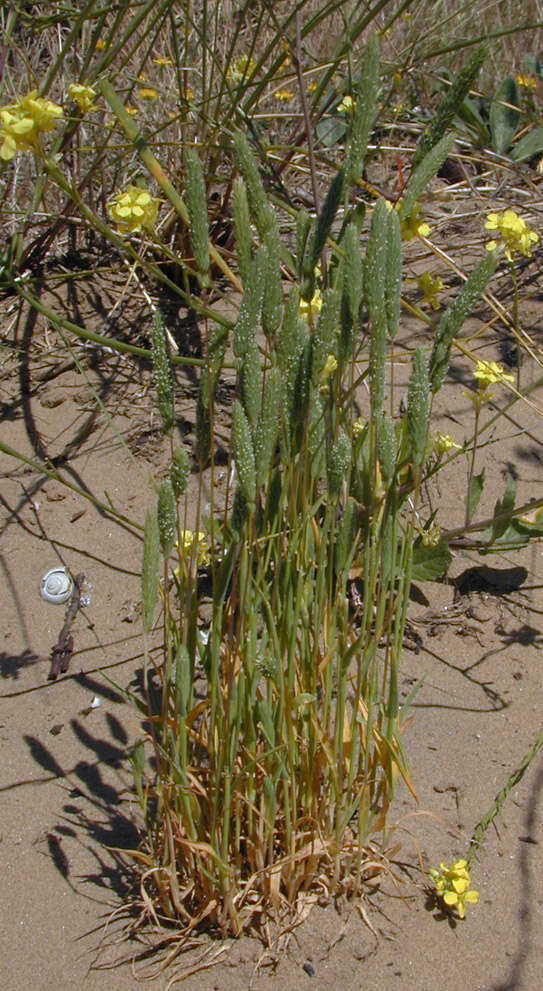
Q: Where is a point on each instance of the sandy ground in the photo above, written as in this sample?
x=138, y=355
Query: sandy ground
x=65, y=777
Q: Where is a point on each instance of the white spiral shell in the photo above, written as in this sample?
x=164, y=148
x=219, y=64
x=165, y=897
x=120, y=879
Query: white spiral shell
x=56, y=586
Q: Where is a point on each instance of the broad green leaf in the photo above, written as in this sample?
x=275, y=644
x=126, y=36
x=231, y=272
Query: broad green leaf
x=430, y=562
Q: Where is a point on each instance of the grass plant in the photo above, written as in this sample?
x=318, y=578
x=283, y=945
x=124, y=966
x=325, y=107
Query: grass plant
x=287, y=599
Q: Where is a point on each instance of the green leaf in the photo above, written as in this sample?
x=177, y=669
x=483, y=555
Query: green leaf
x=430, y=562
x=504, y=115
x=149, y=570
x=503, y=509
x=474, y=494
x=529, y=146
x=331, y=131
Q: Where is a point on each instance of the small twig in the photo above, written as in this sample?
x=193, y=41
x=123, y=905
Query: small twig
x=64, y=647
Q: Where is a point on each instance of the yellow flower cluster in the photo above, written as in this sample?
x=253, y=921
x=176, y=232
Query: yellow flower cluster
x=313, y=306
x=527, y=82
x=147, y=93
x=513, y=233
x=203, y=549
x=346, y=106
x=489, y=373
x=241, y=68
x=22, y=124
x=283, y=95
x=452, y=885
x=84, y=96
x=430, y=287
x=413, y=225
x=444, y=443
x=133, y=210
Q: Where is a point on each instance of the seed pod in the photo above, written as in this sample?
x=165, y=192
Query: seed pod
x=393, y=273
x=179, y=472
x=450, y=105
x=417, y=407
x=239, y=513
x=365, y=111
x=426, y=170
x=353, y=273
x=251, y=385
x=202, y=441
x=242, y=228
x=266, y=432
x=166, y=517
x=195, y=191
x=251, y=305
x=374, y=285
x=258, y=202
x=453, y=318
x=303, y=227
x=316, y=431
x=386, y=447
x=273, y=299
x=149, y=569
x=339, y=462
x=324, y=222
x=212, y=370
x=163, y=373
x=244, y=457
x=289, y=335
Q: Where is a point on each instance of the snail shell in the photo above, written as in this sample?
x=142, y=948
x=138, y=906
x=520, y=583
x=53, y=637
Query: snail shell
x=56, y=586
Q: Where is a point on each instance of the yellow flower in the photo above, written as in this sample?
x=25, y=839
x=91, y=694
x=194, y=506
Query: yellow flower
x=346, y=106
x=84, y=96
x=133, y=210
x=162, y=62
x=489, y=373
x=147, y=93
x=358, y=427
x=513, y=233
x=241, y=68
x=311, y=307
x=431, y=536
x=312, y=87
x=527, y=82
x=131, y=111
x=444, y=443
x=100, y=45
x=413, y=225
x=283, y=95
x=452, y=885
x=22, y=123
x=430, y=287
x=330, y=366
x=203, y=549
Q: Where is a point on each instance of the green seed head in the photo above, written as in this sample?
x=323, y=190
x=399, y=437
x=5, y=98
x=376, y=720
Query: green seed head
x=196, y=195
x=166, y=517
x=244, y=458
x=242, y=228
x=418, y=407
x=179, y=472
x=163, y=374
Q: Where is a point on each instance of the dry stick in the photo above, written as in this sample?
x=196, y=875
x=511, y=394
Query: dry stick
x=64, y=647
